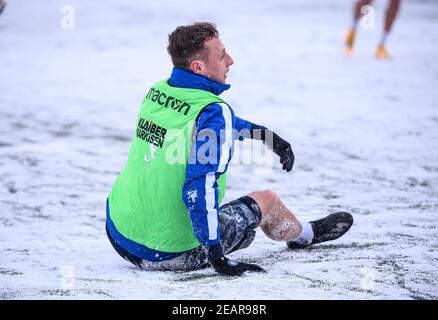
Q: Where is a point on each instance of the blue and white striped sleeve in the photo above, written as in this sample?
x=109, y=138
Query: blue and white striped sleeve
x=209, y=157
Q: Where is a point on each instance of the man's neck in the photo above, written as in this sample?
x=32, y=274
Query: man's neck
x=183, y=78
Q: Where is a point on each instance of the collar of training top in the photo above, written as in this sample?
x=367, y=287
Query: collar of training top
x=183, y=78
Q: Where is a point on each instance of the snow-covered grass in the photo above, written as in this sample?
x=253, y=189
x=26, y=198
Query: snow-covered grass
x=364, y=133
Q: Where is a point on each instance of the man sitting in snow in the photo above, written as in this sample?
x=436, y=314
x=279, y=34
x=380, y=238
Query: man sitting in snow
x=163, y=210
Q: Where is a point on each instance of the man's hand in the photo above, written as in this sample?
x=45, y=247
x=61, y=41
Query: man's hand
x=228, y=267
x=283, y=149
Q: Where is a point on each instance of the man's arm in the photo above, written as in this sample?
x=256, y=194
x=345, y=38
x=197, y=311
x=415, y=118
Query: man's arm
x=209, y=158
x=243, y=128
x=282, y=148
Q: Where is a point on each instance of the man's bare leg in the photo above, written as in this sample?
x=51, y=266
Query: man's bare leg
x=2, y=5
x=390, y=15
x=278, y=222
x=357, y=9
x=351, y=33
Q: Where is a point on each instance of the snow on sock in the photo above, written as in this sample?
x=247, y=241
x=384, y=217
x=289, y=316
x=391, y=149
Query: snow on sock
x=306, y=235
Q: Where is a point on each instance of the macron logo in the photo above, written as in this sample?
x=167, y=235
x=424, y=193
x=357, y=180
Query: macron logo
x=168, y=101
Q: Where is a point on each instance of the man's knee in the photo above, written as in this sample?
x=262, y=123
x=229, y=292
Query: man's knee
x=267, y=195
x=265, y=199
x=270, y=194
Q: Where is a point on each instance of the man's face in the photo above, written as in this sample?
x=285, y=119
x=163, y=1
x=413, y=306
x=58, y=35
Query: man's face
x=218, y=63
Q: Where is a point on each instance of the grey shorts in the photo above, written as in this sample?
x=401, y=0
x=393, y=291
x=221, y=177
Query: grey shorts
x=237, y=222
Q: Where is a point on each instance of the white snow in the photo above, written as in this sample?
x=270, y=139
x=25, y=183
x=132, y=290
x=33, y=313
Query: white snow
x=364, y=133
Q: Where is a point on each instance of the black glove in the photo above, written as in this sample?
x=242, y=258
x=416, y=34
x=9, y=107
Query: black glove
x=228, y=267
x=273, y=141
x=225, y=266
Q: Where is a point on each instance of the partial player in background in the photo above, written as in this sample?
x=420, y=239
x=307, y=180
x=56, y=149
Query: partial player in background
x=390, y=15
x=2, y=5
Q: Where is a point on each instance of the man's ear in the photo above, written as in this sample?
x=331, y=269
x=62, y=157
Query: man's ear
x=197, y=66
